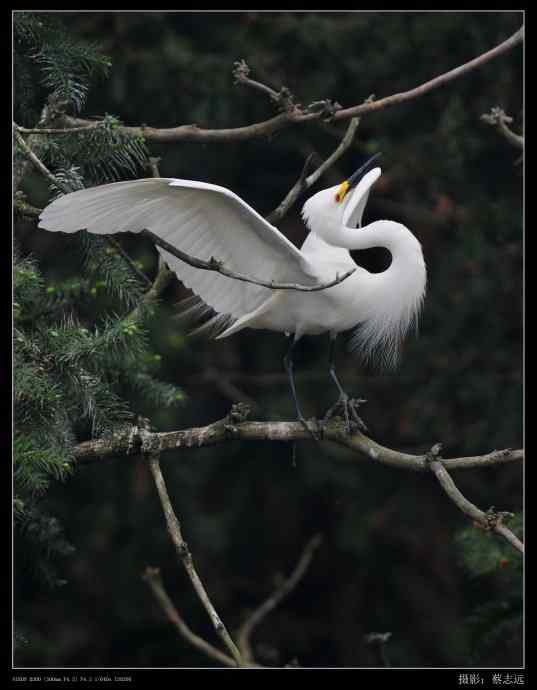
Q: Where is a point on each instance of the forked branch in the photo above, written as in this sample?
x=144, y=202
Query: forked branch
x=297, y=115
x=235, y=427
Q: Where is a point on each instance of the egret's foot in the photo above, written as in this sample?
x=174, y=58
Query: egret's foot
x=349, y=408
x=354, y=404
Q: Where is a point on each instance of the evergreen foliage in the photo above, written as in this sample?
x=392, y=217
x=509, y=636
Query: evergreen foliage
x=69, y=381
x=79, y=346
x=47, y=59
x=52, y=68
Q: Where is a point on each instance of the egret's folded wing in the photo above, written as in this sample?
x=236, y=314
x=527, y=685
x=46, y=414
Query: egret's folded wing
x=201, y=219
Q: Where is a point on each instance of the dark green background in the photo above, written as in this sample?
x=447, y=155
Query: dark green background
x=389, y=561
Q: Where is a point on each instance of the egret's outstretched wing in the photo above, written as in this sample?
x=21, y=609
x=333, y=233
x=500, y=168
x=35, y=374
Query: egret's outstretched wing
x=201, y=219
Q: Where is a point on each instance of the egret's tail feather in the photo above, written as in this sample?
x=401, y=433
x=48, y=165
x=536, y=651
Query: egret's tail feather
x=201, y=319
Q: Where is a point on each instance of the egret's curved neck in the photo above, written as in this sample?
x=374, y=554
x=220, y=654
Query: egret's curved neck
x=393, y=236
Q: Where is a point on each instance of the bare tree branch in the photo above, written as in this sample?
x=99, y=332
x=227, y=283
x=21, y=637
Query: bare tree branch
x=305, y=182
x=49, y=114
x=185, y=556
x=235, y=428
x=442, y=79
x=489, y=520
x=37, y=163
x=283, y=98
x=244, y=633
x=218, y=267
x=298, y=115
x=64, y=130
x=499, y=119
x=153, y=578
x=193, y=133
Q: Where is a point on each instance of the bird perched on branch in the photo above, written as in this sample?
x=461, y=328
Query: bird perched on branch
x=210, y=222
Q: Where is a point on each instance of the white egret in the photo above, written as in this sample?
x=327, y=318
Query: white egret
x=205, y=221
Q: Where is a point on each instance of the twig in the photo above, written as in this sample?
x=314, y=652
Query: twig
x=161, y=282
x=38, y=164
x=215, y=265
x=299, y=116
x=490, y=520
x=117, y=246
x=499, y=119
x=283, y=98
x=185, y=556
x=48, y=114
x=53, y=131
x=153, y=166
x=153, y=578
x=254, y=619
x=303, y=183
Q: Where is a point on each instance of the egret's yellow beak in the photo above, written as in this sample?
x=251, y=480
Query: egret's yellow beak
x=342, y=191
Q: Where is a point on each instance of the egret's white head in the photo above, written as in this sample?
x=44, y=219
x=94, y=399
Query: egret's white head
x=342, y=205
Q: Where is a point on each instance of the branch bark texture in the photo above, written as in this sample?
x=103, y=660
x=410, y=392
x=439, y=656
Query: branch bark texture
x=297, y=115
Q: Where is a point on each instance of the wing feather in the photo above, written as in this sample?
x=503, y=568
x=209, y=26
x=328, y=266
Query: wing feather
x=201, y=219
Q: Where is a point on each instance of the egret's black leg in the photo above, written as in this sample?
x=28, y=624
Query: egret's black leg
x=288, y=364
x=344, y=400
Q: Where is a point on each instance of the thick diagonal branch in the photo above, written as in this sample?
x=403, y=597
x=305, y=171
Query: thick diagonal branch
x=185, y=557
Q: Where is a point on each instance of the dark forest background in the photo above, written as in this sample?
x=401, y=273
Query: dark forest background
x=396, y=555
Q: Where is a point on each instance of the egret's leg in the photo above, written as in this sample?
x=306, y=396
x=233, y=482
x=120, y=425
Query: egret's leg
x=344, y=400
x=289, y=366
